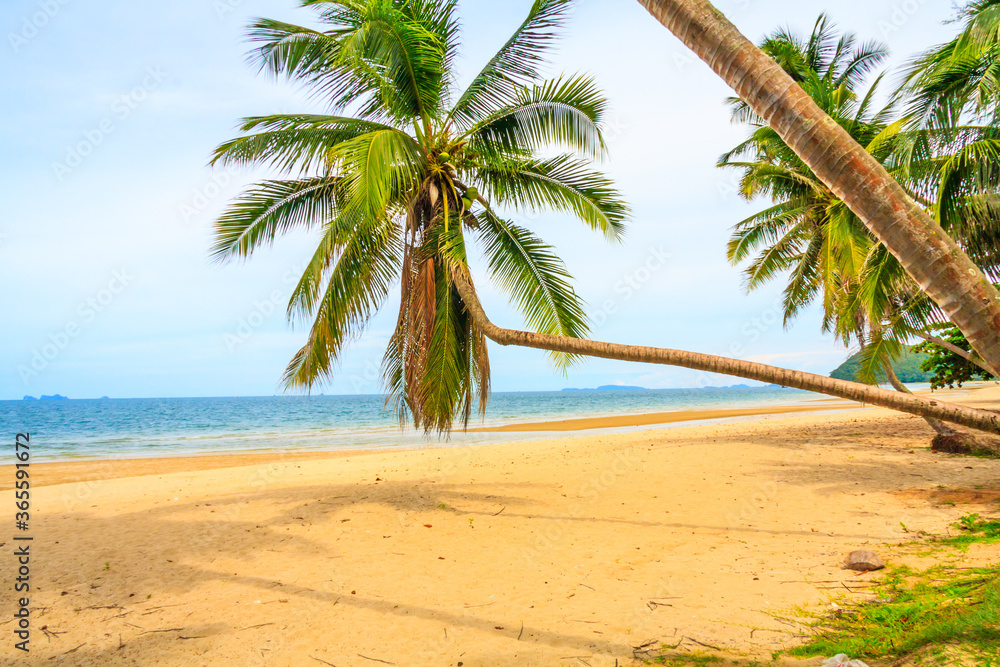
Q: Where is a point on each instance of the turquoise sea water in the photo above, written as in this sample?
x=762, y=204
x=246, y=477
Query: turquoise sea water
x=119, y=428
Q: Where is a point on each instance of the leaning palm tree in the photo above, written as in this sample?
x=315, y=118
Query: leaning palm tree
x=810, y=235
x=402, y=171
x=932, y=258
x=394, y=189
x=807, y=234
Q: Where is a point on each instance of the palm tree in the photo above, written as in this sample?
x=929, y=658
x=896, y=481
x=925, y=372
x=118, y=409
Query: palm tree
x=394, y=189
x=952, y=149
x=960, y=79
x=807, y=232
x=931, y=257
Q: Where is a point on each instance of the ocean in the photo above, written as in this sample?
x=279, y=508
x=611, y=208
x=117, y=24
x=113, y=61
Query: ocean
x=151, y=427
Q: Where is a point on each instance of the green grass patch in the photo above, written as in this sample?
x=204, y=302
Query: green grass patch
x=940, y=616
x=975, y=529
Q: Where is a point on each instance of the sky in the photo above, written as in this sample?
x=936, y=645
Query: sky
x=110, y=111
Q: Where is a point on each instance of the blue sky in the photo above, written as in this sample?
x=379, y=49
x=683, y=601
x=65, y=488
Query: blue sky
x=111, y=110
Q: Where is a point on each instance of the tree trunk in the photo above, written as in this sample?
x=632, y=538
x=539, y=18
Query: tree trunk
x=943, y=271
x=939, y=426
x=982, y=420
x=947, y=439
x=951, y=347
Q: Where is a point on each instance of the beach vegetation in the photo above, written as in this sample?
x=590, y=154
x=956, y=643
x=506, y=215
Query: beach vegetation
x=907, y=367
x=946, y=366
x=935, y=614
x=809, y=237
x=945, y=615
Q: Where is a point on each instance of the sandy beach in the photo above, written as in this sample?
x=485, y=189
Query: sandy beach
x=576, y=551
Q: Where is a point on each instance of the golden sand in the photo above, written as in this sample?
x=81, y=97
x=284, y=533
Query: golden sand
x=561, y=552
x=654, y=418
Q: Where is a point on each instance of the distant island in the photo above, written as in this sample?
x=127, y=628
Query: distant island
x=54, y=397
x=610, y=387
x=907, y=367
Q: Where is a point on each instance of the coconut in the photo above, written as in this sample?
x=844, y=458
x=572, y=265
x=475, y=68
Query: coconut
x=471, y=194
x=444, y=157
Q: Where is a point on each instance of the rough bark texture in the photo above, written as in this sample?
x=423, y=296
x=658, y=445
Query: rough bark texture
x=939, y=426
x=943, y=271
x=982, y=420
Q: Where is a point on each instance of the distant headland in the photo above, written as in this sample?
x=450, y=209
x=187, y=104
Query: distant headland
x=54, y=397
x=609, y=387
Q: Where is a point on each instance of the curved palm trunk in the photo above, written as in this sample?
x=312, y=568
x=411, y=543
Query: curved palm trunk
x=978, y=419
x=939, y=426
x=951, y=347
x=953, y=441
x=943, y=271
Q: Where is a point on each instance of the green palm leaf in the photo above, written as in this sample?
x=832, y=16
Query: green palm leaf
x=380, y=169
x=292, y=142
x=272, y=208
x=565, y=112
x=515, y=65
x=357, y=286
x=765, y=227
x=388, y=181
x=534, y=277
x=562, y=183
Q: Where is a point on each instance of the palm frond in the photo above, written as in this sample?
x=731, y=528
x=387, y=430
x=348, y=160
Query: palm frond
x=388, y=59
x=564, y=113
x=806, y=278
x=271, y=208
x=356, y=288
x=534, y=277
x=380, y=169
x=562, y=183
x=292, y=142
x=515, y=65
x=765, y=228
x=776, y=258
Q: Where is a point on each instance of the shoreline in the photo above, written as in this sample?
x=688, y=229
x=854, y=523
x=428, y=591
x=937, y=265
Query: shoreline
x=67, y=471
x=657, y=418
x=96, y=470
x=499, y=556
x=329, y=443
x=89, y=470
